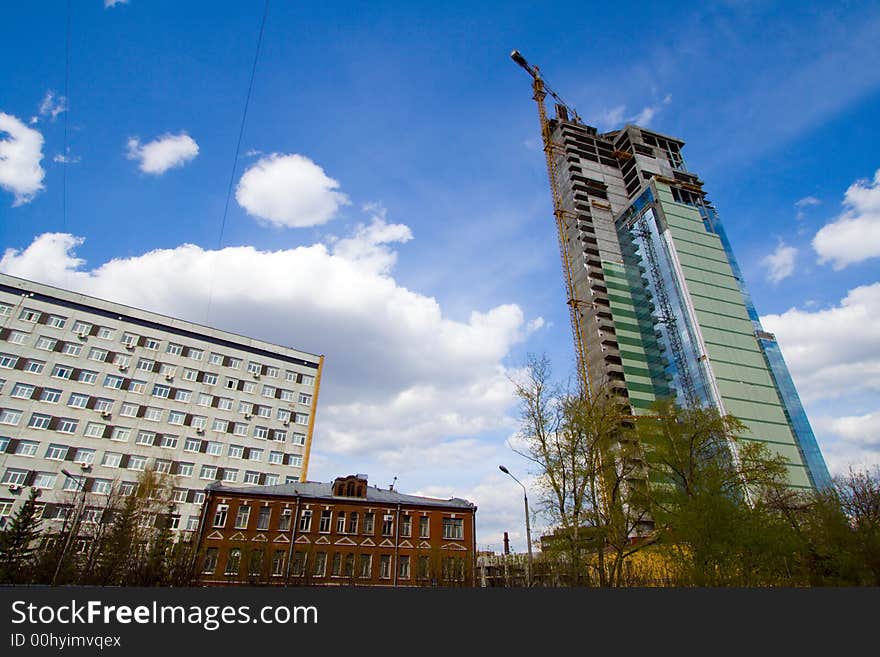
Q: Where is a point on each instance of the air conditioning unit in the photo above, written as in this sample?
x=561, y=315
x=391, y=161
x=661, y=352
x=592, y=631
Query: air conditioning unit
x=82, y=335
x=86, y=467
x=286, y=423
x=256, y=375
x=122, y=367
x=129, y=345
x=169, y=377
x=200, y=430
x=14, y=487
x=105, y=413
x=247, y=416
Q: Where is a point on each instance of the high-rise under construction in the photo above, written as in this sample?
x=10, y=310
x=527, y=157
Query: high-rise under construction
x=658, y=304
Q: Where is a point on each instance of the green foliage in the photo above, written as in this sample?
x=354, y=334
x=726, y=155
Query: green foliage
x=17, y=542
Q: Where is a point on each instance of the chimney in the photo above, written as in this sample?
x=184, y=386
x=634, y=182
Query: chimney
x=506, y=544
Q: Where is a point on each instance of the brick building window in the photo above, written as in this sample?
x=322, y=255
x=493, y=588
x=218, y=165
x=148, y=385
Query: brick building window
x=210, y=563
x=233, y=561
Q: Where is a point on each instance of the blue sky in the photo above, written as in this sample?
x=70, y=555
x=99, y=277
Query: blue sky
x=391, y=187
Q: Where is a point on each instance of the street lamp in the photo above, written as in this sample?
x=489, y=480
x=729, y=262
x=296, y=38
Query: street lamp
x=528, y=526
x=73, y=525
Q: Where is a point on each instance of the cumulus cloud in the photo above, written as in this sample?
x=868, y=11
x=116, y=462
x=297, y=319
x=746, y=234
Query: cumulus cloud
x=400, y=378
x=833, y=351
x=20, y=156
x=165, y=152
x=851, y=441
x=289, y=191
x=854, y=235
x=780, y=263
x=113, y=3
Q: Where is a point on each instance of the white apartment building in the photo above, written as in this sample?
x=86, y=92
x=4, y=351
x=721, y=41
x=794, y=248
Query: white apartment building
x=104, y=391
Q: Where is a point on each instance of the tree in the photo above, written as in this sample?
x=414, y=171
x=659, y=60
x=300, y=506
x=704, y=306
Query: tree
x=589, y=474
x=714, y=500
x=17, y=542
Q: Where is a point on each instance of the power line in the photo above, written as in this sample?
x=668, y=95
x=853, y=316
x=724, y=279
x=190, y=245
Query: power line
x=238, y=146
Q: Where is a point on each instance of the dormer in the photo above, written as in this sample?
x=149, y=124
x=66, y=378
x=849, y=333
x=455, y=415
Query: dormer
x=351, y=486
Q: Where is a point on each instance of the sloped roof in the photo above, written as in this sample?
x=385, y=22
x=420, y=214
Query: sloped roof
x=322, y=490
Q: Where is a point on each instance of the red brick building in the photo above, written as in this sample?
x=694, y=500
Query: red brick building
x=344, y=533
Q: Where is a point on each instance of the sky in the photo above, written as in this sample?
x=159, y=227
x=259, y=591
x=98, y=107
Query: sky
x=388, y=206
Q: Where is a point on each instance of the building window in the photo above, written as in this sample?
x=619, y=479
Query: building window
x=14, y=477
x=214, y=448
x=22, y=391
x=276, y=458
x=88, y=377
x=305, y=521
x=67, y=425
x=353, y=522
x=284, y=521
x=39, y=421
x=340, y=522
x=220, y=515
x=137, y=462
x=209, y=379
x=105, y=333
x=77, y=400
x=271, y=479
x=102, y=404
x=230, y=475
x=153, y=413
x=50, y=395
x=319, y=566
x=198, y=497
x=102, y=486
x=388, y=525
x=8, y=361
x=264, y=411
x=128, y=488
x=113, y=382
x=369, y=520
x=209, y=565
x=162, y=466
x=251, y=477
x=10, y=416
x=255, y=454
x=72, y=349
x=249, y=387
x=192, y=523
x=298, y=439
x=208, y=472
x=406, y=525
x=174, y=349
x=27, y=448
x=128, y=410
x=384, y=566
x=365, y=566
x=185, y=469
x=137, y=387
x=62, y=371
x=73, y=484
x=120, y=434
x=190, y=375
x=403, y=566
x=45, y=480
x=424, y=568
x=304, y=398
x=111, y=459
x=56, y=452
x=96, y=354
x=84, y=456
x=161, y=391
x=145, y=438
x=424, y=527
x=152, y=344
x=279, y=435
x=263, y=517
x=326, y=519
x=95, y=430
x=278, y=563
x=336, y=565
x=56, y=321
x=233, y=561
x=242, y=516
x=307, y=380
x=28, y=315
x=195, y=354
x=17, y=337
x=261, y=432
x=176, y=417
x=453, y=528
x=46, y=343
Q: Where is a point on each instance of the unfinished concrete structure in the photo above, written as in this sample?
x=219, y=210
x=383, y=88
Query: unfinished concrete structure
x=658, y=303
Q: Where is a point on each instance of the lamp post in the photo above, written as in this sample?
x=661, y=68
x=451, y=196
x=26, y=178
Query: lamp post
x=74, y=525
x=528, y=526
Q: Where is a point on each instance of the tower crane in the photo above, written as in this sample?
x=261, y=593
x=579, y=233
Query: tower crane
x=541, y=91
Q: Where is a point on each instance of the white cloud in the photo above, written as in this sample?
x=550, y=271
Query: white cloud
x=52, y=106
x=166, y=152
x=402, y=380
x=66, y=159
x=851, y=441
x=854, y=235
x=113, y=3
x=289, y=190
x=834, y=351
x=20, y=155
x=803, y=203
x=780, y=263
x=617, y=117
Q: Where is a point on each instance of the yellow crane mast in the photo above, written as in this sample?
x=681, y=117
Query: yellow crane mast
x=541, y=90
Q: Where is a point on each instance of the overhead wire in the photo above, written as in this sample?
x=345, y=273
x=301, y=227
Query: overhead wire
x=238, y=149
